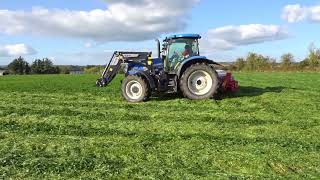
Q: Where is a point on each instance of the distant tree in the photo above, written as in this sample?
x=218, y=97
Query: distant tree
x=64, y=69
x=273, y=63
x=313, y=58
x=92, y=70
x=256, y=62
x=303, y=64
x=57, y=70
x=27, y=69
x=240, y=64
x=44, y=66
x=19, y=66
x=48, y=66
x=267, y=63
x=287, y=60
x=251, y=61
x=37, y=67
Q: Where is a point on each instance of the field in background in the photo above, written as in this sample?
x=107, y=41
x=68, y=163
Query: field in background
x=62, y=126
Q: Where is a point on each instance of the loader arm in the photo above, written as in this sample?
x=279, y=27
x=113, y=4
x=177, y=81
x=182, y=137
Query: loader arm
x=111, y=70
x=114, y=65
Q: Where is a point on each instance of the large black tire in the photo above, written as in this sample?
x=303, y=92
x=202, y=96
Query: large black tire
x=199, y=81
x=135, y=89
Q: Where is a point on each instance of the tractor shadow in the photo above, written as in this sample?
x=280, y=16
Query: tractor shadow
x=250, y=91
x=244, y=91
x=166, y=97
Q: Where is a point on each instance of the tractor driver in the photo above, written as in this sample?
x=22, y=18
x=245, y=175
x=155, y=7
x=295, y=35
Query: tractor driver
x=177, y=56
x=187, y=51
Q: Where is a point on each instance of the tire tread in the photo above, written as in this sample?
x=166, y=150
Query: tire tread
x=184, y=81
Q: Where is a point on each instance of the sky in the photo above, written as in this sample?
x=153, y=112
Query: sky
x=87, y=32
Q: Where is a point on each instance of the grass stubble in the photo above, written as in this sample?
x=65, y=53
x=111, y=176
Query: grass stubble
x=61, y=126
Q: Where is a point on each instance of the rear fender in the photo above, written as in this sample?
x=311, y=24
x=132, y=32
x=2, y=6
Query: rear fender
x=193, y=60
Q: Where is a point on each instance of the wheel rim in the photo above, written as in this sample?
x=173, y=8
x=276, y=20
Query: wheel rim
x=134, y=90
x=200, y=83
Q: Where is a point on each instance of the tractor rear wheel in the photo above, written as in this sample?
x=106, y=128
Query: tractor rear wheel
x=199, y=81
x=135, y=89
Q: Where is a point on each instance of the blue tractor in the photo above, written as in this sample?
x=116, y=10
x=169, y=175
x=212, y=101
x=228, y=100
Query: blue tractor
x=178, y=68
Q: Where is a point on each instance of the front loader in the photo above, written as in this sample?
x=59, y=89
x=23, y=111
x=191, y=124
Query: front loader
x=178, y=68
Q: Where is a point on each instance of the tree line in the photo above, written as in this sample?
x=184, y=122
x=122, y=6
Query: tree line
x=252, y=62
x=258, y=62
x=39, y=66
x=20, y=66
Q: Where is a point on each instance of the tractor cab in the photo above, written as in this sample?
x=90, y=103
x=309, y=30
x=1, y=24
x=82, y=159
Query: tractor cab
x=178, y=48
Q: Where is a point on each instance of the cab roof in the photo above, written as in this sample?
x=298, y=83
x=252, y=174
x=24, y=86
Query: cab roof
x=176, y=36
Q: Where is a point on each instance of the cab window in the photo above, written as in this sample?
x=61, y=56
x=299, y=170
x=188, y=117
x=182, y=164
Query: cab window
x=181, y=49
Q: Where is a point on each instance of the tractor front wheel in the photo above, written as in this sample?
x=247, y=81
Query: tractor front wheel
x=135, y=89
x=198, y=82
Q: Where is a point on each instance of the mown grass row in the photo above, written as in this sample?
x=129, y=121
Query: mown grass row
x=64, y=127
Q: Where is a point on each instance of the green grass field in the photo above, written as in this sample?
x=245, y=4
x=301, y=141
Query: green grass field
x=61, y=126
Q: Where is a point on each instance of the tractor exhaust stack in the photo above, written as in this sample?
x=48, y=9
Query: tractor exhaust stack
x=158, y=48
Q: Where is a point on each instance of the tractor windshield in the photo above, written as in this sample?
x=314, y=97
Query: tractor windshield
x=181, y=49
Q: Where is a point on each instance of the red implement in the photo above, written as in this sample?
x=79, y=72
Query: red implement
x=229, y=84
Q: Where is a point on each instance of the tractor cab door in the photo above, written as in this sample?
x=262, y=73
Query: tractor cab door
x=179, y=50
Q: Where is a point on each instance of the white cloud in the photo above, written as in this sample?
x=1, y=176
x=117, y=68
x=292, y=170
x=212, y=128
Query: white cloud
x=295, y=12
x=315, y=13
x=230, y=37
x=124, y=20
x=13, y=50
x=88, y=45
